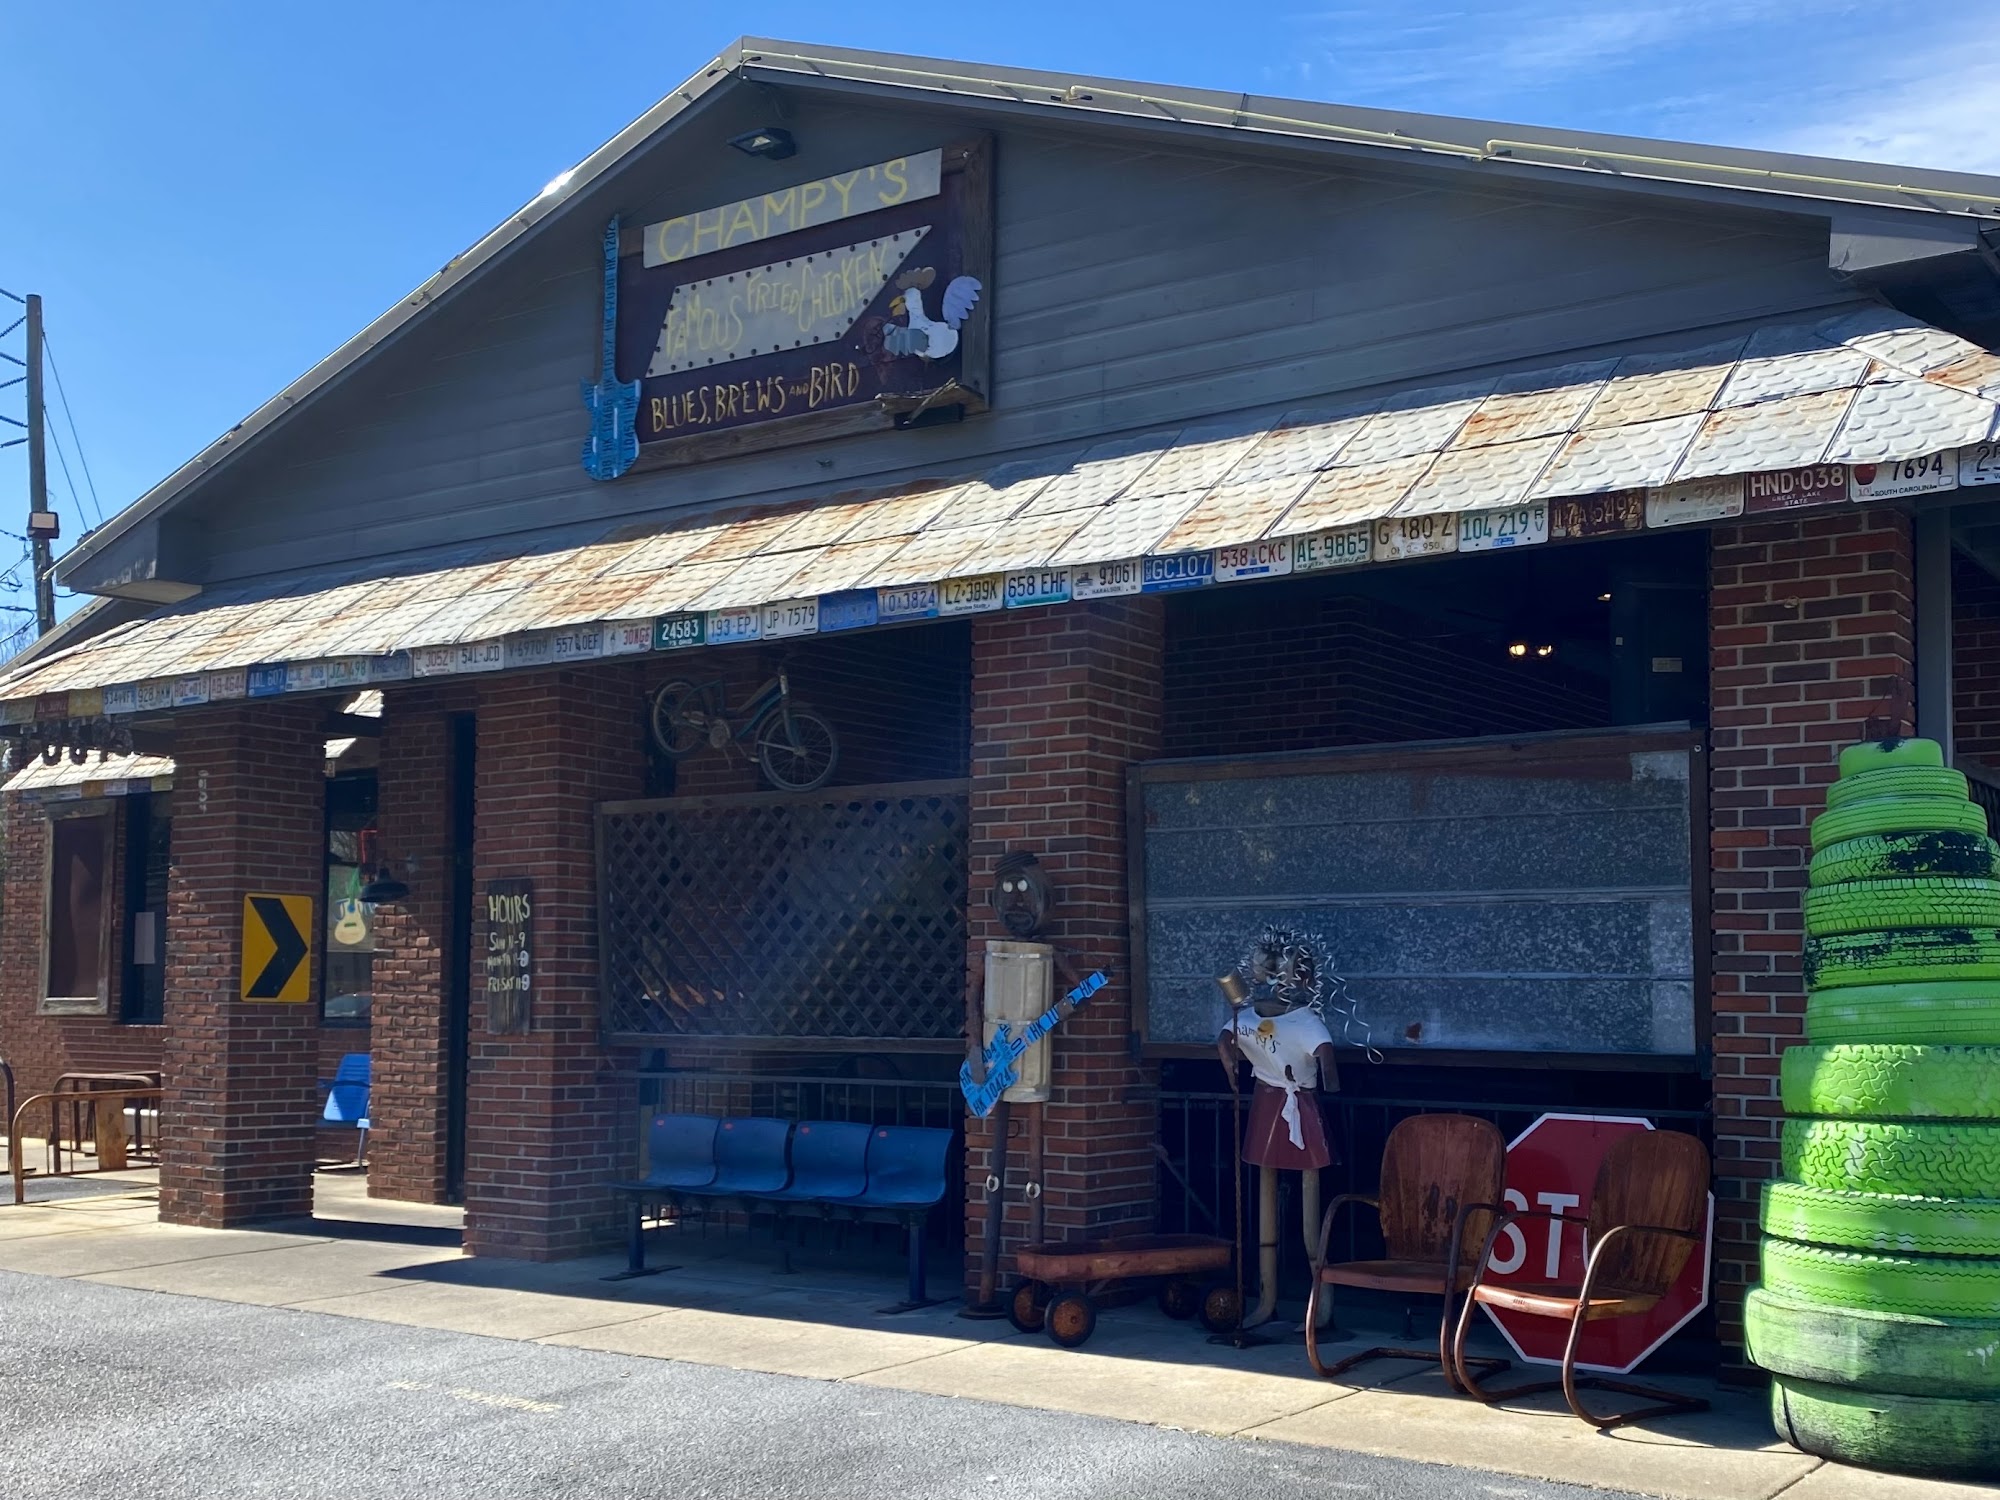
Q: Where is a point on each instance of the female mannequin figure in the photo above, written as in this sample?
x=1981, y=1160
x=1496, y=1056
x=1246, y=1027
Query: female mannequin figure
x=1279, y=1030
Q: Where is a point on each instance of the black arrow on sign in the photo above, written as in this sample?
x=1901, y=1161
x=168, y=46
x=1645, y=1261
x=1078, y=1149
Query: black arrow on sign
x=289, y=946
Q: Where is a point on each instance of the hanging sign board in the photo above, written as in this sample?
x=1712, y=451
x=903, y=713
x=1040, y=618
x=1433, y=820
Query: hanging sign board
x=831, y=305
x=510, y=911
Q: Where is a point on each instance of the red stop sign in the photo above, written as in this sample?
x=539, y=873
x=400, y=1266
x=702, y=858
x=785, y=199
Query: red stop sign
x=1553, y=1165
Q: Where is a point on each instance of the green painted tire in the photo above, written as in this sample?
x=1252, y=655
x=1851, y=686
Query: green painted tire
x=1896, y=815
x=1902, y=1353
x=1961, y=1013
x=1881, y=1222
x=1897, y=781
x=1870, y=1156
x=1877, y=755
x=1942, y=1286
x=1924, y=1435
x=1945, y=953
x=1904, y=856
x=1899, y=905
x=1891, y=1082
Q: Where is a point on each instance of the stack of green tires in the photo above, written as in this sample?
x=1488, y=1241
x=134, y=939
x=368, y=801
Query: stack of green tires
x=1879, y=1311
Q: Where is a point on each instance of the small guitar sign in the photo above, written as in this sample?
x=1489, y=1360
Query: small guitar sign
x=1003, y=1053
x=613, y=404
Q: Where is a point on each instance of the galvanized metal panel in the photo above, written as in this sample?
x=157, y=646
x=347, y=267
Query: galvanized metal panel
x=1800, y=374
x=1125, y=528
x=1340, y=497
x=1598, y=460
x=1783, y=434
x=1301, y=442
x=1906, y=418
x=1239, y=510
x=1535, y=403
x=1480, y=478
x=1416, y=422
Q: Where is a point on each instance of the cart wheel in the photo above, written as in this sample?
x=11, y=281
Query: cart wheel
x=1220, y=1311
x=1027, y=1306
x=1071, y=1319
x=1180, y=1298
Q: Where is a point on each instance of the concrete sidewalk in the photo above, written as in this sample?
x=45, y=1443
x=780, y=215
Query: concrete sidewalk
x=725, y=1305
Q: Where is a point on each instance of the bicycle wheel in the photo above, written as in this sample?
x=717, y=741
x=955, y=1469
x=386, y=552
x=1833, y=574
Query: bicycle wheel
x=797, y=749
x=680, y=727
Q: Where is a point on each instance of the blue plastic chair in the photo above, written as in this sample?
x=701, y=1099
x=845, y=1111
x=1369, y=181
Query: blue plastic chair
x=680, y=1151
x=347, y=1100
x=749, y=1158
x=905, y=1180
x=829, y=1160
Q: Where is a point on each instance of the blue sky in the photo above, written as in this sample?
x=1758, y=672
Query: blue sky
x=211, y=195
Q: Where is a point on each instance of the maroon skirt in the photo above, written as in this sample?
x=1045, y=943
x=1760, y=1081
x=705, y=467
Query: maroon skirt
x=1267, y=1142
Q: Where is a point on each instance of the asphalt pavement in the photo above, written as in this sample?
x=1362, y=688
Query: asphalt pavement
x=106, y=1390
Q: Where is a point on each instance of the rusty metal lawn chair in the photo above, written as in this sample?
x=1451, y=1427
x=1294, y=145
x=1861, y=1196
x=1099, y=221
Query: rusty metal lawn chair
x=1442, y=1177
x=1648, y=1210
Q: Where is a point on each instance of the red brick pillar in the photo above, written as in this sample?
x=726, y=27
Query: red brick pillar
x=241, y=1076
x=546, y=1126
x=1063, y=701
x=1811, y=635
x=409, y=1039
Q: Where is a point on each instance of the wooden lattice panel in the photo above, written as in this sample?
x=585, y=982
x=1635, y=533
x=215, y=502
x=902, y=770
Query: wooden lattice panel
x=838, y=916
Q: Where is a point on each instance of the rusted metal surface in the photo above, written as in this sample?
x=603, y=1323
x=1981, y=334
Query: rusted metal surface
x=1869, y=387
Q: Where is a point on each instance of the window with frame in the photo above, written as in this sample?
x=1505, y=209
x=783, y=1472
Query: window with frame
x=76, y=975
x=349, y=937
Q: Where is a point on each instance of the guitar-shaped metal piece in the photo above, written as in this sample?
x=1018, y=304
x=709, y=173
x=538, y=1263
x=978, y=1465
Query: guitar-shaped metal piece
x=613, y=444
x=1003, y=1053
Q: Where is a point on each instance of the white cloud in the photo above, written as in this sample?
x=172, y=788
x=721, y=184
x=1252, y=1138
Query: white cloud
x=1938, y=112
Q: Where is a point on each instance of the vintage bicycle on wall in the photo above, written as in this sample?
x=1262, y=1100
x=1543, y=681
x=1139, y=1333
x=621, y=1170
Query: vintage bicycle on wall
x=793, y=745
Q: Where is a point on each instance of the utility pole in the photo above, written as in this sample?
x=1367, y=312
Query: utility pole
x=41, y=520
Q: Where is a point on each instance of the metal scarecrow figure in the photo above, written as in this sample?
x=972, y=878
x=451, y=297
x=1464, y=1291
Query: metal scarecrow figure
x=1276, y=995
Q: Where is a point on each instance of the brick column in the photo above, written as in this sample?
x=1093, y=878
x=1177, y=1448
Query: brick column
x=1811, y=630
x=241, y=1076
x=545, y=1128
x=1063, y=701
x=409, y=1038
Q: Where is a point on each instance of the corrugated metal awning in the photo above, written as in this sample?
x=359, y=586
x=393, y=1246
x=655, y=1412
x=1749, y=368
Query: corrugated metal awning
x=1866, y=405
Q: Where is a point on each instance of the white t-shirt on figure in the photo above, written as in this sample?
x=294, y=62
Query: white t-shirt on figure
x=1277, y=1043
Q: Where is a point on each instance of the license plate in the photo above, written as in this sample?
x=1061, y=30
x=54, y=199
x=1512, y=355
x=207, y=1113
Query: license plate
x=1597, y=515
x=1037, y=586
x=1694, y=500
x=264, y=682
x=850, y=609
x=1794, y=489
x=529, y=651
x=680, y=632
x=1184, y=570
x=972, y=596
x=1105, y=580
x=790, y=617
x=916, y=602
x=1905, y=476
x=728, y=625
x=1979, y=463
x=1415, y=536
x=627, y=637
x=1342, y=547
x=490, y=656
x=1253, y=560
x=1516, y=526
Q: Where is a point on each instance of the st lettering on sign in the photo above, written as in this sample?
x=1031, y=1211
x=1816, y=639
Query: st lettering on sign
x=510, y=954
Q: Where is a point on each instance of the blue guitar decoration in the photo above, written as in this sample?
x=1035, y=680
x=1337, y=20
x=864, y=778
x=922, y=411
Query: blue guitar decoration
x=613, y=444
x=1003, y=1053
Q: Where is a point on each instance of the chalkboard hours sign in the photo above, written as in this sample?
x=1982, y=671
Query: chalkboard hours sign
x=510, y=910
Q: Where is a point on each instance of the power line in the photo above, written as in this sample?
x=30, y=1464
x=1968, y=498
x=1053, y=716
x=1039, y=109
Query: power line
x=75, y=504
x=75, y=441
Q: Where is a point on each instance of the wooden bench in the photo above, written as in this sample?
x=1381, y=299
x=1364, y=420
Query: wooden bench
x=817, y=1168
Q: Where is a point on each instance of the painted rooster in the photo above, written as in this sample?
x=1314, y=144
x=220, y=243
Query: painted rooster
x=922, y=335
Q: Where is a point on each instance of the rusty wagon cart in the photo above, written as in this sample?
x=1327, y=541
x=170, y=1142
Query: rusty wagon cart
x=1063, y=1279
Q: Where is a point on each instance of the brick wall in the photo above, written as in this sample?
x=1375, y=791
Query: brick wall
x=408, y=1097
x=1063, y=700
x=1302, y=666
x=241, y=1101
x=41, y=1048
x=1975, y=665
x=547, y=1127
x=1811, y=630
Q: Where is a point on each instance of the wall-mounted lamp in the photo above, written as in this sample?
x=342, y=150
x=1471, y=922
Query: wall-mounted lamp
x=384, y=889
x=1517, y=648
x=1545, y=651
x=767, y=141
